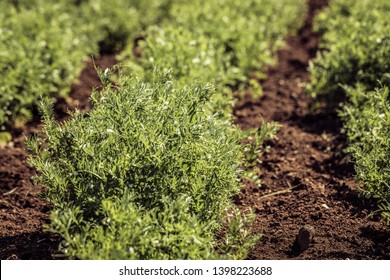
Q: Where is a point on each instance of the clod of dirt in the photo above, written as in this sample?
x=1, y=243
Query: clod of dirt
x=305, y=237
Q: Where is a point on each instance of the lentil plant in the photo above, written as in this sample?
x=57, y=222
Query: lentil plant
x=354, y=69
x=143, y=148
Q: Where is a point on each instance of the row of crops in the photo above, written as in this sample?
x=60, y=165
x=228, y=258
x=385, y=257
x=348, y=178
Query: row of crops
x=354, y=69
x=43, y=45
x=149, y=173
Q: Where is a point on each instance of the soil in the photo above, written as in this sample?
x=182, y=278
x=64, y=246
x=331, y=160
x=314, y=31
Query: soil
x=23, y=214
x=307, y=180
x=308, y=186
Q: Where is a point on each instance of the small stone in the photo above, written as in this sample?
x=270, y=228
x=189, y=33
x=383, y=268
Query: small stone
x=305, y=237
x=325, y=206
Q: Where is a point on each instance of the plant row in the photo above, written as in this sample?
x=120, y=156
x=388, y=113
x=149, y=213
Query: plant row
x=150, y=172
x=43, y=45
x=354, y=68
x=223, y=42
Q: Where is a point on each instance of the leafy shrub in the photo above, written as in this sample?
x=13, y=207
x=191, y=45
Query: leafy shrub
x=363, y=53
x=41, y=52
x=216, y=41
x=190, y=58
x=43, y=45
x=149, y=172
x=238, y=240
x=367, y=119
x=354, y=62
x=115, y=24
x=130, y=232
x=200, y=41
x=153, y=141
x=249, y=31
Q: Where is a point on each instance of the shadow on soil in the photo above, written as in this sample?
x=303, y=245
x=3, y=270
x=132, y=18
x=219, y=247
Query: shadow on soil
x=30, y=246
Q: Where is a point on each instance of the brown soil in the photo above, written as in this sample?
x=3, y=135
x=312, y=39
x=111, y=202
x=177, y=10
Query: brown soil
x=306, y=178
x=23, y=214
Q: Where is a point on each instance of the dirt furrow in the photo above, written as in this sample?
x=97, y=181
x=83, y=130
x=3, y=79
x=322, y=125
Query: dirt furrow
x=306, y=178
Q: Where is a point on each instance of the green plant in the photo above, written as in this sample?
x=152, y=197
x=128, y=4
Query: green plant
x=221, y=42
x=354, y=69
x=5, y=138
x=153, y=140
x=367, y=121
x=150, y=171
x=43, y=45
x=115, y=24
x=238, y=237
x=41, y=52
x=202, y=42
x=254, y=142
x=189, y=57
x=126, y=231
x=249, y=31
x=356, y=47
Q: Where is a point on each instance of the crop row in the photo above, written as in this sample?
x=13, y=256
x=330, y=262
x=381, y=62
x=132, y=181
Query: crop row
x=43, y=45
x=356, y=71
x=223, y=42
x=150, y=171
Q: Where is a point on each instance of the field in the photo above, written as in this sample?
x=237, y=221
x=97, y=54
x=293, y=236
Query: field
x=199, y=129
